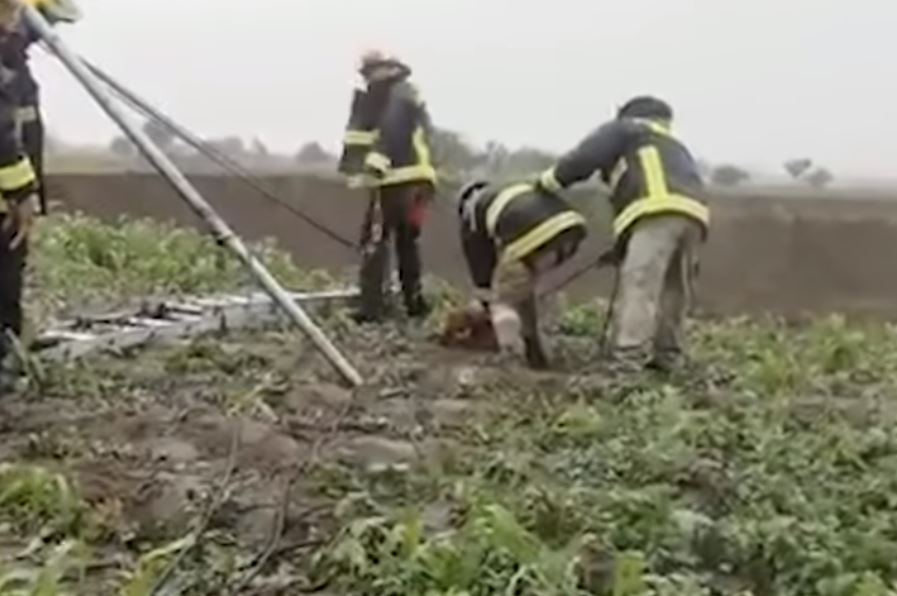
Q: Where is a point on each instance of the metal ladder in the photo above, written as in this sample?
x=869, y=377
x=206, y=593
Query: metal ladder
x=168, y=321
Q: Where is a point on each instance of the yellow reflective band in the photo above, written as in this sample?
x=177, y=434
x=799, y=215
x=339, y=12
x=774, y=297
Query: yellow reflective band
x=618, y=172
x=501, y=201
x=17, y=175
x=655, y=178
x=664, y=204
x=419, y=142
x=360, y=137
x=419, y=173
x=377, y=161
x=26, y=114
x=659, y=126
x=541, y=234
x=549, y=181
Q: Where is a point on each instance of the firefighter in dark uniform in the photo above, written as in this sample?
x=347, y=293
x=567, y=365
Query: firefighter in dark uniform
x=18, y=186
x=512, y=236
x=15, y=56
x=661, y=219
x=386, y=151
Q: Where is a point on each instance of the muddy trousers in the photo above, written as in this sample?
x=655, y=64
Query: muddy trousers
x=394, y=215
x=12, y=269
x=515, y=310
x=655, y=292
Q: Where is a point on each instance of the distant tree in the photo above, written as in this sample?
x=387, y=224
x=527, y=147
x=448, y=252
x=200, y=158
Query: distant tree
x=729, y=175
x=820, y=178
x=496, y=157
x=231, y=146
x=797, y=167
x=259, y=148
x=313, y=153
x=451, y=152
x=159, y=134
x=704, y=168
x=528, y=160
x=122, y=147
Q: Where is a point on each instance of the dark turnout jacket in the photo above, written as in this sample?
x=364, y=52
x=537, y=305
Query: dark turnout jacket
x=387, y=135
x=17, y=177
x=511, y=223
x=647, y=169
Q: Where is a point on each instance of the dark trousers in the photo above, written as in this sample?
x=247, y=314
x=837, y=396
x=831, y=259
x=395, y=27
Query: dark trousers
x=12, y=269
x=393, y=215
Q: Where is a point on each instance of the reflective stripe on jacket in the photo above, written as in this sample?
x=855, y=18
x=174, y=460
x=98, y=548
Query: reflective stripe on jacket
x=647, y=169
x=387, y=136
x=510, y=224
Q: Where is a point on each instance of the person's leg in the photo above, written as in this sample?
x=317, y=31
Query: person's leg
x=650, y=249
x=513, y=286
x=374, y=260
x=669, y=344
x=12, y=268
x=408, y=229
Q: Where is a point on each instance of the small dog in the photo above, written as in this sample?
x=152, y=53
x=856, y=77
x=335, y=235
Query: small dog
x=469, y=329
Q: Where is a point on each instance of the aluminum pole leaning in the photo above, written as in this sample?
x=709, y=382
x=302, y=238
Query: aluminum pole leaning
x=166, y=168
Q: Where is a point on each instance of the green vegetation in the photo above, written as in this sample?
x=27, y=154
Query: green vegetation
x=769, y=468
x=76, y=259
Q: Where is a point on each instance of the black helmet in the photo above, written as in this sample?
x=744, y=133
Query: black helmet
x=646, y=106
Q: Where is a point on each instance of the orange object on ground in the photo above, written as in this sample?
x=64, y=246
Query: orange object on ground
x=469, y=329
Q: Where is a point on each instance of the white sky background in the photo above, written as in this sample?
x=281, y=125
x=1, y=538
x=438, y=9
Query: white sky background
x=754, y=82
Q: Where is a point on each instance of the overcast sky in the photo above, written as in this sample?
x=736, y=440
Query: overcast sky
x=752, y=81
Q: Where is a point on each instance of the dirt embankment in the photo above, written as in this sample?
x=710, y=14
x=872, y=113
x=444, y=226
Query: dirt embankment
x=766, y=253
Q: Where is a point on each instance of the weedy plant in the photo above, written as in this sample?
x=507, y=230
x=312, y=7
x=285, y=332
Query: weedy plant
x=766, y=468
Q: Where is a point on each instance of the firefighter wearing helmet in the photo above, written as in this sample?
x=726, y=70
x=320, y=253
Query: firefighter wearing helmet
x=513, y=236
x=386, y=150
x=18, y=187
x=15, y=56
x=661, y=219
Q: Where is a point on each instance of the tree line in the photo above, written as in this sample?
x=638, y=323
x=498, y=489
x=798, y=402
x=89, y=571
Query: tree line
x=454, y=154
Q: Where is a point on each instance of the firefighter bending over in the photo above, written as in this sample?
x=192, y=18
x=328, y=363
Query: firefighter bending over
x=14, y=55
x=661, y=219
x=512, y=237
x=18, y=186
x=386, y=150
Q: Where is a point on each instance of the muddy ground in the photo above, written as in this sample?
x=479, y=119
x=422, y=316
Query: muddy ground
x=258, y=423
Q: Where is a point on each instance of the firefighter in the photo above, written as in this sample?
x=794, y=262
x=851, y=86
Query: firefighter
x=15, y=56
x=386, y=151
x=512, y=236
x=660, y=220
x=18, y=187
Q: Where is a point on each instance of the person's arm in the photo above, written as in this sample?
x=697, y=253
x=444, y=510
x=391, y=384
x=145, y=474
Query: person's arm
x=18, y=182
x=17, y=178
x=481, y=258
x=396, y=126
x=358, y=138
x=598, y=152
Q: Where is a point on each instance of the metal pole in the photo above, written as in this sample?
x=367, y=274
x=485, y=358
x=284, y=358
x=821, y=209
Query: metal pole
x=140, y=105
x=223, y=234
